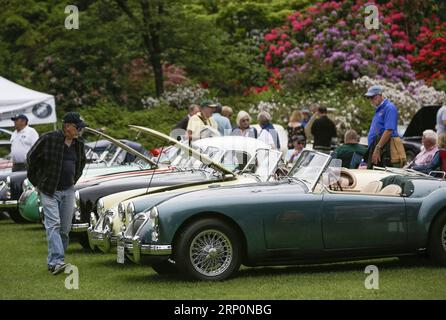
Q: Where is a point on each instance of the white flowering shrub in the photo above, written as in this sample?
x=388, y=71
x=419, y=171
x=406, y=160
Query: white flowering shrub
x=408, y=98
x=150, y=102
x=180, y=97
x=273, y=107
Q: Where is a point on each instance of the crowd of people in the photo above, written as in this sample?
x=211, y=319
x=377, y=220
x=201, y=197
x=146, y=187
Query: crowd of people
x=210, y=119
x=384, y=147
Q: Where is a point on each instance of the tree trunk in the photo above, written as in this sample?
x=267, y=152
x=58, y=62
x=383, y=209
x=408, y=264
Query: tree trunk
x=152, y=41
x=155, y=60
x=150, y=29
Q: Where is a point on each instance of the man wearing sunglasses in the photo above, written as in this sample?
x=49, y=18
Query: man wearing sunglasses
x=55, y=163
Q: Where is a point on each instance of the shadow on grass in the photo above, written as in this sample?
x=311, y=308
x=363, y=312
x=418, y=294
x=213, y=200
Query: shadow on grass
x=35, y=227
x=387, y=264
x=153, y=277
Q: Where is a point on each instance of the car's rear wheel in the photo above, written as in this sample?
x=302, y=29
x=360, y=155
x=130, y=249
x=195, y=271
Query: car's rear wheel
x=208, y=249
x=437, y=240
x=15, y=216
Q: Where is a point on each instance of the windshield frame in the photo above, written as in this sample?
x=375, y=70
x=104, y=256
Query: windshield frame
x=122, y=145
x=310, y=184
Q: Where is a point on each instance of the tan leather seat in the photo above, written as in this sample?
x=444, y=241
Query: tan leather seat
x=373, y=187
x=348, y=179
x=391, y=190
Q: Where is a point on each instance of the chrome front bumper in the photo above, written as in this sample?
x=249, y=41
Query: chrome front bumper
x=134, y=250
x=6, y=204
x=79, y=227
x=103, y=240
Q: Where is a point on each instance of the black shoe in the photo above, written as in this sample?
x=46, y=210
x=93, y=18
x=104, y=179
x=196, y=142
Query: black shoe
x=60, y=267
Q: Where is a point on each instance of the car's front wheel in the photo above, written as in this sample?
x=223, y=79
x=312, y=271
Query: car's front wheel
x=437, y=240
x=208, y=249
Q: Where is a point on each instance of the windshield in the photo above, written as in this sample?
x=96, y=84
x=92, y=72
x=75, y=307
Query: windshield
x=235, y=160
x=309, y=167
x=167, y=155
x=109, y=153
x=182, y=159
x=266, y=162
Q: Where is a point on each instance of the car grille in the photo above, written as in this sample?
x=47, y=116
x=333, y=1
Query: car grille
x=134, y=226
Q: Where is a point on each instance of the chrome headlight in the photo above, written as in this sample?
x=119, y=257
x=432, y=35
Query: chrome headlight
x=77, y=199
x=130, y=210
x=100, y=207
x=153, y=213
x=8, y=187
x=121, y=211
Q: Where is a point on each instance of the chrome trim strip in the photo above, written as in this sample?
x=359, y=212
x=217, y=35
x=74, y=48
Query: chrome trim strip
x=9, y=203
x=79, y=227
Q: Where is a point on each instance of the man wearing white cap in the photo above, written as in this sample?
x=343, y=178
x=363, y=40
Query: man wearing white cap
x=22, y=139
x=382, y=129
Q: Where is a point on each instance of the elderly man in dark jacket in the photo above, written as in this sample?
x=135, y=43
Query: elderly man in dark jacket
x=55, y=163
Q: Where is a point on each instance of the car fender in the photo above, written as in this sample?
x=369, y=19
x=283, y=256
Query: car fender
x=431, y=207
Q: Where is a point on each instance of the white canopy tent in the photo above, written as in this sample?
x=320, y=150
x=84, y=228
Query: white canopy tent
x=40, y=108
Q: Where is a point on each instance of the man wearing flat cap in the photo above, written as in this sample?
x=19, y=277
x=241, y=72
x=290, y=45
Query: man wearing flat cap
x=22, y=139
x=202, y=125
x=55, y=163
x=382, y=129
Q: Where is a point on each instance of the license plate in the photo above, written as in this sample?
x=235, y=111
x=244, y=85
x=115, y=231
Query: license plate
x=120, y=255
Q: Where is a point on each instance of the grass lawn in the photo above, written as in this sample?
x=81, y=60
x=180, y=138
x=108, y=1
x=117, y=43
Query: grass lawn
x=23, y=275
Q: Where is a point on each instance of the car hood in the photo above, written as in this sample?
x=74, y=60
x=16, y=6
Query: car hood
x=145, y=200
x=424, y=119
x=123, y=146
x=150, y=179
x=195, y=154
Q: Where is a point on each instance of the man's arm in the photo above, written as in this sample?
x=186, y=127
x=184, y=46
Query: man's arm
x=34, y=159
x=35, y=153
x=376, y=157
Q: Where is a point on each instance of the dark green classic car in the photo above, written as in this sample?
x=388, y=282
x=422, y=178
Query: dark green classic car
x=309, y=216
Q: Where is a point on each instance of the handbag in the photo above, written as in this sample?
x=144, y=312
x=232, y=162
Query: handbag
x=397, y=151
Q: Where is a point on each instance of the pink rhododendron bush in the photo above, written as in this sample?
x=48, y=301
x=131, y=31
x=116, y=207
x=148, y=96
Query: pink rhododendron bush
x=325, y=54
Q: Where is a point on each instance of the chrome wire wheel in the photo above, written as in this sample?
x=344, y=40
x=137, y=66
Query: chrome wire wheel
x=211, y=252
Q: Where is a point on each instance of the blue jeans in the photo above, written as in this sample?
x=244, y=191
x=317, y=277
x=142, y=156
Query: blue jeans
x=58, y=212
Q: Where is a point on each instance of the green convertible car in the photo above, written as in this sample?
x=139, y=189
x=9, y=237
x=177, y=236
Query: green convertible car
x=306, y=217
